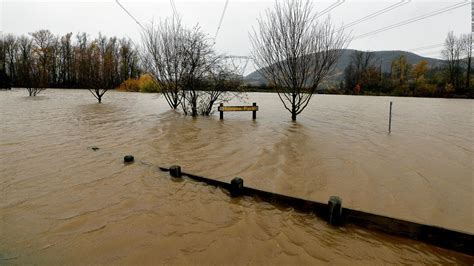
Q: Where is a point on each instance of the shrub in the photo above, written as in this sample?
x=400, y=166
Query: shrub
x=147, y=84
x=129, y=85
x=144, y=84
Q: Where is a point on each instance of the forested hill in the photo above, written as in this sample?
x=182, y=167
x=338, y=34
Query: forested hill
x=384, y=58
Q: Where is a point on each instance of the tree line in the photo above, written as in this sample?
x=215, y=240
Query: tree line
x=452, y=79
x=178, y=61
x=42, y=60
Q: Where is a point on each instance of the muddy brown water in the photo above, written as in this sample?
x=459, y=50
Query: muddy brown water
x=61, y=202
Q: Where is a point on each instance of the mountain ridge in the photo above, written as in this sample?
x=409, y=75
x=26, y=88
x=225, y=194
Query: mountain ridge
x=383, y=57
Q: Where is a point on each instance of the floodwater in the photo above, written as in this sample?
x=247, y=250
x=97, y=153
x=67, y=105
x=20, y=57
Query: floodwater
x=63, y=203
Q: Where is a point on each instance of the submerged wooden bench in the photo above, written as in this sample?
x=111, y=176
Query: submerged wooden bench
x=253, y=108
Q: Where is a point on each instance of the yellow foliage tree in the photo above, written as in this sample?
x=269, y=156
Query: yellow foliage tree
x=419, y=70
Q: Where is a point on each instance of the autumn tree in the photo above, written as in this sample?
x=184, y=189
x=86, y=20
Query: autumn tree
x=419, y=70
x=362, y=71
x=418, y=73
x=62, y=61
x=400, y=69
x=295, y=52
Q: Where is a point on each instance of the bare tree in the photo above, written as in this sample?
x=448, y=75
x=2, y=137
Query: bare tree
x=128, y=60
x=199, y=58
x=452, y=53
x=66, y=60
x=163, y=57
x=4, y=78
x=11, y=49
x=44, y=52
x=295, y=52
x=179, y=59
x=97, y=85
x=466, y=41
x=222, y=85
x=102, y=62
x=29, y=71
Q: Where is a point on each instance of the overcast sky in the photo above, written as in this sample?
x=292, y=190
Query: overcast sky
x=60, y=17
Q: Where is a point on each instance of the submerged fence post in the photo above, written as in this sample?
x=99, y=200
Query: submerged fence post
x=221, y=116
x=127, y=158
x=390, y=119
x=236, y=186
x=175, y=171
x=335, y=210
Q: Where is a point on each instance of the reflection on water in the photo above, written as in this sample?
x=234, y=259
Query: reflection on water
x=61, y=202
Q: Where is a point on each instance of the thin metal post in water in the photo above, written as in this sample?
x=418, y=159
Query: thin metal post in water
x=221, y=115
x=390, y=119
x=254, y=113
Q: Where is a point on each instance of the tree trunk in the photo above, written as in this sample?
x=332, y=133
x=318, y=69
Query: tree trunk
x=293, y=107
x=468, y=73
x=100, y=99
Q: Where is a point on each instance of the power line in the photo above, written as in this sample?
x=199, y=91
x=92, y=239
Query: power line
x=377, y=13
x=221, y=19
x=173, y=6
x=408, y=21
x=330, y=7
x=427, y=47
x=124, y=9
x=438, y=53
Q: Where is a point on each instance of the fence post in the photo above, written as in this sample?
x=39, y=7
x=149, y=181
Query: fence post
x=390, y=119
x=254, y=113
x=221, y=112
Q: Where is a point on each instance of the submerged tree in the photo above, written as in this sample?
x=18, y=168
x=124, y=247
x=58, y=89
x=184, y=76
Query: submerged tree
x=199, y=58
x=28, y=68
x=43, y=50
x=295, y=52
x=103, y=73
x=163, y=57
x=221, y=85
x=183, y=63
